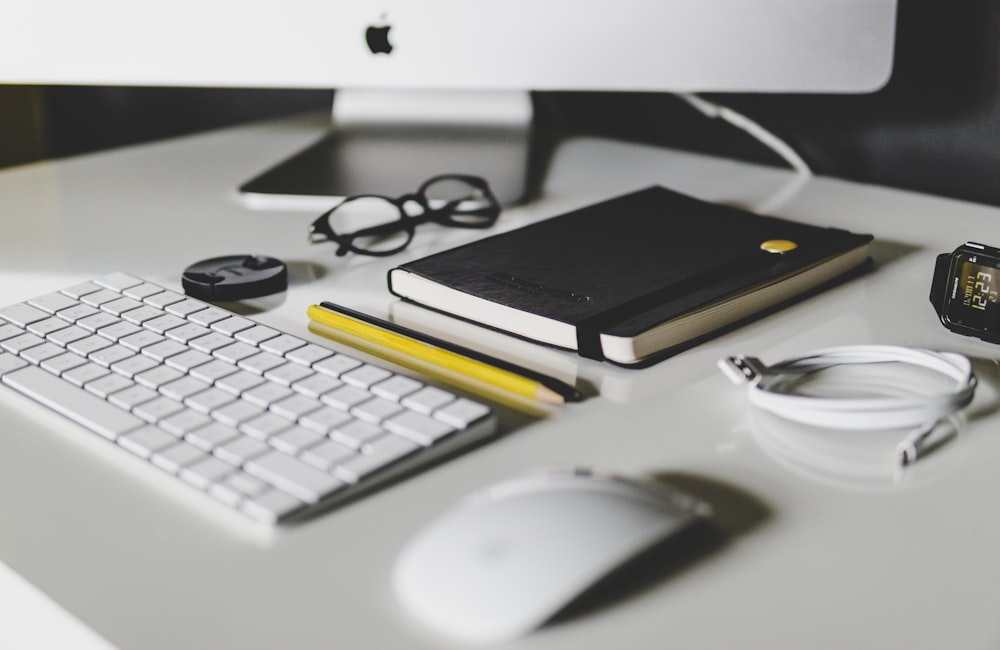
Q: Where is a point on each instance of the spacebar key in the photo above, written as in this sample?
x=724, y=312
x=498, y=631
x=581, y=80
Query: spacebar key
x=75, y=403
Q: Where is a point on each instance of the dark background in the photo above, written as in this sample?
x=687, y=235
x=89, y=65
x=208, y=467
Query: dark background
x=934, y=128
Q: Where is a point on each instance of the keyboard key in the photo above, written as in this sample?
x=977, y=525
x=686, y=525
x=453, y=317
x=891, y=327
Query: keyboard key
x=23, y=314
x=21, y=343
x=184, y=388
x=212, y=370
x=98, y=298
x=295, y=440
x=108, y=384
x=419, y=428
x=163, y=299
x=316, y=384
x=85, y=373
x=45, y=327
x=132, y=366
x=206, y=471
x=282, y=344
x=210, y=436
x=53, y=302
x=345, y=397
x=288, y=374
x=40, y=353
x=236, y=412
x=232, y=325
x=82, y=289
x=265, y=425
x=377, y=455
x=235, y=352
x=63, y=363
x=158, y=376
x=142, y=314
x=396, y=387
x=428, y=399
x=164, y=323
x=208, y=316
x=68, y=336
x=174, y=458
x=309, y=354
x=256, y=334
x=147, y=441
x=119, y=330
x=293, y=476
x=240, y=450
x=239, y=382
x=76, y=312
x=376, y=409
x=142, y=291
x=295, y=406
x=97, y=321
x=132, y=396
x=356, y=433
x=9, y=363
x=462, y=412
x=92, y=343
x=8, y=331
x=328, y=454
x=158, y=409
x=121, y=305
x=111, y=355
x=184, y=422
x=185, y=307
x=336, y=365
x=261, y=363
x=208, y=400
x=365, y=376
x=188, y=332
x=117, y=281
x=325, y=419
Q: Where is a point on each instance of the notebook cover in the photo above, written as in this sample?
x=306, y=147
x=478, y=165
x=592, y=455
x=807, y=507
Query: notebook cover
x=625, y=265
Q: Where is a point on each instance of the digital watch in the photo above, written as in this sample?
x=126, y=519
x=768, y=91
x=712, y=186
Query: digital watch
x=964, y=291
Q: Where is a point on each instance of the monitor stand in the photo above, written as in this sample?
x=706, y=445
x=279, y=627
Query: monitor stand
x=389, y=142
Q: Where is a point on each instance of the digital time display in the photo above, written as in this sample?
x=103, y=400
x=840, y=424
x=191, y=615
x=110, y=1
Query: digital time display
x=973, y=296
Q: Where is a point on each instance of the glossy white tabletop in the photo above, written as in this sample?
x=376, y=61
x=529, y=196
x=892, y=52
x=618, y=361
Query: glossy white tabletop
x=831, y=551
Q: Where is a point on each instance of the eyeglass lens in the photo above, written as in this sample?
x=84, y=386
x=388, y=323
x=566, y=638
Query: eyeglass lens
x=374, y=222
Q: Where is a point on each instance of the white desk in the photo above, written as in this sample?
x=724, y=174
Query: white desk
x=813, y=557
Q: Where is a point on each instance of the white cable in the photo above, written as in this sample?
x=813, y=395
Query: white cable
x=922, y=413
x=755, y=130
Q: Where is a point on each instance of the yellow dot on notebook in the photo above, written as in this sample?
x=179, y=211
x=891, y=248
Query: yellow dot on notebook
x=778, y=246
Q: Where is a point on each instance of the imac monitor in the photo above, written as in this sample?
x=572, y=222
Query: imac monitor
x=430, y=86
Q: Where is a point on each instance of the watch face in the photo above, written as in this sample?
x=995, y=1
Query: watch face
x=972, y=292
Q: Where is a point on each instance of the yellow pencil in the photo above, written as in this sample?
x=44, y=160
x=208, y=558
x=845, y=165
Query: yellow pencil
x=435, y=356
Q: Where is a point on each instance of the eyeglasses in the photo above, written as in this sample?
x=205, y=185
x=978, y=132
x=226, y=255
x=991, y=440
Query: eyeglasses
x=370, y=224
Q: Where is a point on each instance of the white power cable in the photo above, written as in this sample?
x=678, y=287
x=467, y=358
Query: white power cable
x=920, y=412
x=755, y=130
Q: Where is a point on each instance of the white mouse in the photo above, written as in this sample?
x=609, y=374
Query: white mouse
x=509, y=557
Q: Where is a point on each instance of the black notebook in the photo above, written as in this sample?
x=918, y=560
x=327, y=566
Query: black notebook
x=634, y=278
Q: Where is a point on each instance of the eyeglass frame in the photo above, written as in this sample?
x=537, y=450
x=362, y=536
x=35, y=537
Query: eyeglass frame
x=321, y=230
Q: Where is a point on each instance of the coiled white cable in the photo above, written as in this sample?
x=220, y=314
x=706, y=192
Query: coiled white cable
x=918, y=411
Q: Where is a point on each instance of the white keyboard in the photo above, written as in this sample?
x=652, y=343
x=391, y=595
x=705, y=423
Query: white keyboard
x=257, y=419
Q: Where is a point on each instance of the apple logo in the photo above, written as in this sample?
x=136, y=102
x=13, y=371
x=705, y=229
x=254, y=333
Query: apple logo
x=377, y=37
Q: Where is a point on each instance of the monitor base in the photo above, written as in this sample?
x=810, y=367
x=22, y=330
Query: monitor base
x=371, y=150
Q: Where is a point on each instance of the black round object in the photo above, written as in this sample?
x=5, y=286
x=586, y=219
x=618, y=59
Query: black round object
x=236, y=277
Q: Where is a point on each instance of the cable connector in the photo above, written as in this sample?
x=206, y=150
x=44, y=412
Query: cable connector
x=742, y=369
